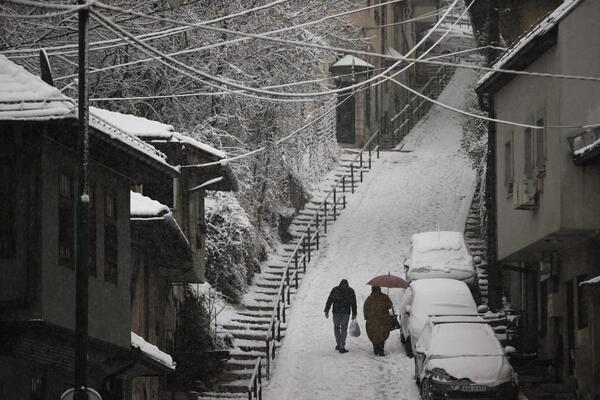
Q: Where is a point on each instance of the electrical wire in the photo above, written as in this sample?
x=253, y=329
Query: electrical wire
x=162, y=57
x=52, y=6
x=147, y=36
x=238, y=40
x=227, y=160
x=406, y=21
x=484, y=117
x=42, y=16
x=373, y=54
x=172, y=31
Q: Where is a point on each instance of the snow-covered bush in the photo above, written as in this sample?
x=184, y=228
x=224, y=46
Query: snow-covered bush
x=475, y=133
x=231, y=249
x=194, y=345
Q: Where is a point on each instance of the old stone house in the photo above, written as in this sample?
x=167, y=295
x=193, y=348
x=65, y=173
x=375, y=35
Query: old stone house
x=38, y=186
x=548, y=189
x=372, y=108
x=168, y=235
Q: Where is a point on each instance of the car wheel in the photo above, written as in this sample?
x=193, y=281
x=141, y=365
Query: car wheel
x=426, y=393
x=408, y=348
x=417, y=374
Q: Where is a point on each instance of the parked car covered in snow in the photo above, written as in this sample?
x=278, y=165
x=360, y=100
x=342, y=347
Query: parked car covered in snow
x=461, y=357
x=441, y=254
x=428, y=297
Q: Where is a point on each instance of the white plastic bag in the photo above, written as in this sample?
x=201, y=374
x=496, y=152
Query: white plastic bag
x=354, y=329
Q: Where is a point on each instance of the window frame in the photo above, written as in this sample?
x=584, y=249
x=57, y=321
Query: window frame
x=509, y=170
x=8, y=247
x=66, y=219
x=111, y=237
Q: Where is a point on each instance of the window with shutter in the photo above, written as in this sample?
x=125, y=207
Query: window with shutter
x=66, y=221
x=508, y=167
x=540, y=147
x=111, y=255
x=528, y=153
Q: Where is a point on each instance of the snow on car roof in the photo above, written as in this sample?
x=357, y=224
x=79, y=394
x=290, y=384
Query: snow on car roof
x=24, y=96
x=434, y=241
x=464, y=339
x=442, y=296
x=445, y=319
x=149, y=129
x=442, y=250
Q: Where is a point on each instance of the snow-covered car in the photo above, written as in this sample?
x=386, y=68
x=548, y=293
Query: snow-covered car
x=441, y=254
x=427, y=297
x=461, y=357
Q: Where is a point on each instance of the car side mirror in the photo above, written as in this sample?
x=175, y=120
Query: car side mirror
x=509, y=350
x=477, y=260
x=407, y=309
x=406, y=263
x=482, y=309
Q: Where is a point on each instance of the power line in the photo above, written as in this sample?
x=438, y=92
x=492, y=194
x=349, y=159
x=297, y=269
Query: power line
x=486, y=118
x=366, y=53
x=162, y=57
x=42, y=16
x=324, y=114
x=406, y=21
x=147, y=36
x=238, y=40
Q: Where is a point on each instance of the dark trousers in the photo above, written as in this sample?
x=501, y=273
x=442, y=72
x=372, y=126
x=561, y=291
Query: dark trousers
x=340, y=329
x=378, y=348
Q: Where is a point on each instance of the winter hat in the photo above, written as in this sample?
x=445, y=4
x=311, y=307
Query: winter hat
x=375, y=289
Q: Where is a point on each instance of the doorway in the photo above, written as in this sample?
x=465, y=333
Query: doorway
x=345, y=116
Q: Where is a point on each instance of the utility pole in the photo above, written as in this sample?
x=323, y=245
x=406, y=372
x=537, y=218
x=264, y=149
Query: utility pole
x=82, y=260
x=494, y=272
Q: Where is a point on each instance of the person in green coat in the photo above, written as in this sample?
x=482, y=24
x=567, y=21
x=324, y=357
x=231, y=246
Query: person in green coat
x=376, y=312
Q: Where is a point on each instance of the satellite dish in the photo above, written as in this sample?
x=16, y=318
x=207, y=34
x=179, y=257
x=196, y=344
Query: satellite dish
x=69, y=394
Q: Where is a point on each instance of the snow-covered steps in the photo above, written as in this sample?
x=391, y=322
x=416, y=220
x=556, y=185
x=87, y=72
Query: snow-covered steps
x=250, y=326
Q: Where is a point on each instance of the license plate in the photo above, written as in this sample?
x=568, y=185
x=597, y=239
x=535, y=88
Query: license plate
x=474, y=388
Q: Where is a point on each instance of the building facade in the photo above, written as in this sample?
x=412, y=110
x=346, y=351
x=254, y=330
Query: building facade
x=548, y=189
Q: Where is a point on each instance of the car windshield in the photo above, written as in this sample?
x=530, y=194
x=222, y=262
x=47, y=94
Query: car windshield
x=464, y=339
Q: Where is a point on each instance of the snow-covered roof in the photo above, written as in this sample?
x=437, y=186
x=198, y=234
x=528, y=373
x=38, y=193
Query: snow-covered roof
x=143, y=207
x=536, y=31
x=24, y=96
x=581, y=151
x=152, y=130
x=98, y=122
x=593, y=281
x=351, y=61
x=152, y=351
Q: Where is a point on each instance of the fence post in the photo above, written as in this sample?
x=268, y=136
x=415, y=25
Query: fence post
x=370, y=155
x=378, y=135
x=361, y=175
x=296, y=259
x=352, y=176
x=344, y=184
x=335, y=204
x=325, y=219
x=296, y=279
x=309, y=245
x=317, y=231
x=344, y=202
x=361, y=159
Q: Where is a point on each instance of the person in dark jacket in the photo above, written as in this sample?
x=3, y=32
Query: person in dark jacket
x=376, y=312
x=343, y=299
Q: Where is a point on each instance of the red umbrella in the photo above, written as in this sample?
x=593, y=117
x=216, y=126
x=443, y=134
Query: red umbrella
x=388, y=281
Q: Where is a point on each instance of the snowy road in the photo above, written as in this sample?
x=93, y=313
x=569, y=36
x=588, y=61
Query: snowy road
x=406, y=192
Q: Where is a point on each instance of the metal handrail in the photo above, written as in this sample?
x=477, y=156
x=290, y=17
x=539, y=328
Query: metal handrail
x=303, y=246
x=255, y=388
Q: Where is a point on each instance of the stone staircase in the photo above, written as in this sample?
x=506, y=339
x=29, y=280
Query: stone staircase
x=476, y=243
x=249, y=327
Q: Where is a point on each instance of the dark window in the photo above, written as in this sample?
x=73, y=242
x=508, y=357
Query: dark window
x=528, y=154
x=540, y=147
x=582, y=304
x=92, y=224
x=543, y=307
x=37, y=388
x=111, y=255
x=7, y=207
x=66, y=221
x=508, y=167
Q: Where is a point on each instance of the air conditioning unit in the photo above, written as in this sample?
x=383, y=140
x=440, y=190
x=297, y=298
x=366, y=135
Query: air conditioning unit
x=525, y=195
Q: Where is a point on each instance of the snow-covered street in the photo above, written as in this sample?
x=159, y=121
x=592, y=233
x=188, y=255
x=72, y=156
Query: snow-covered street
x=426, y=186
